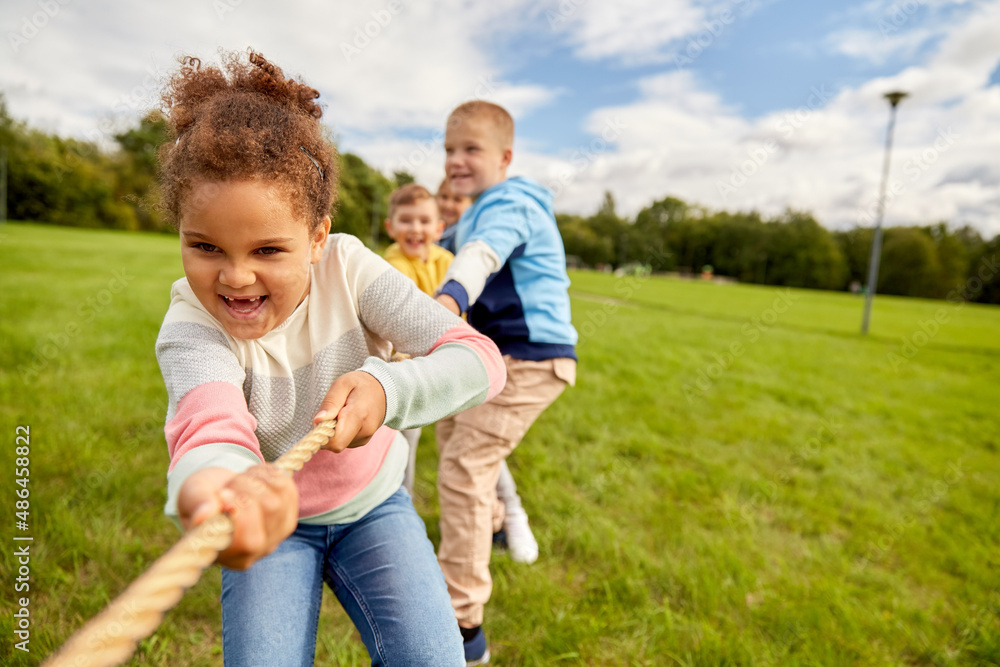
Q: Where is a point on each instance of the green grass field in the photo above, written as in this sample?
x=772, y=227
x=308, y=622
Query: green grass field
x=738, y=477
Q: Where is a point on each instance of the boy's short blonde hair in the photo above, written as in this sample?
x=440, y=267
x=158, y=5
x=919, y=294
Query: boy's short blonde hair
x=494, y=114
x=411, y=193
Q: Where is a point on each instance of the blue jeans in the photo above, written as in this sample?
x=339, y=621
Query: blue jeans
x=383, y=571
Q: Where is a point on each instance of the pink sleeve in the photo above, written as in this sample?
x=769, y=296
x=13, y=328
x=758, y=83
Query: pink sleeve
x=211, y=413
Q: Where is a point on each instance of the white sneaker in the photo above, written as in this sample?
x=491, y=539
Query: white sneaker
x=520, y=541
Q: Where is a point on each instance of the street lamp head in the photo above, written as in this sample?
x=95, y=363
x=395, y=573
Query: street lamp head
x=895, y=97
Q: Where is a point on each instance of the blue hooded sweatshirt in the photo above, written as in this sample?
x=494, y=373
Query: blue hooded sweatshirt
x=524, y=307
x=447, y=240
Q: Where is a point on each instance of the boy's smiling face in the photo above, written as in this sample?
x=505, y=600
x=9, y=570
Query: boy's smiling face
x=415, y=227
x=247, y=254
x=475, y=158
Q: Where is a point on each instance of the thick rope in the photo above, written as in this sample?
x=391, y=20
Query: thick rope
x=111, y=637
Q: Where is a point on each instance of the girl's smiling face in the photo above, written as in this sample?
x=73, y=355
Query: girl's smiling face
x=247, y=254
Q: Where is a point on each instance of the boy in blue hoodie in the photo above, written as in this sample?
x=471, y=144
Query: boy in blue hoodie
x=509, y=275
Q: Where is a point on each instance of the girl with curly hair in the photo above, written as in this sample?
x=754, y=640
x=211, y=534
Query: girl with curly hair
x=278, y=325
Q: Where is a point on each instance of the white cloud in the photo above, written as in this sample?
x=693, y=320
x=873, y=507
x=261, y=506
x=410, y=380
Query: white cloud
x=877, y=48
x=884, y=29
x=632, y=30
x=638, y=32
x=388, y=101
x=827, y=155
x=376, y=69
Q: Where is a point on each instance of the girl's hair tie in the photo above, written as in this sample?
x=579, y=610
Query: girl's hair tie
x=313, y=160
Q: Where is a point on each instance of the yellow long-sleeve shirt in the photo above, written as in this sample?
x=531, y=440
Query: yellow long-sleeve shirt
x=427, y=275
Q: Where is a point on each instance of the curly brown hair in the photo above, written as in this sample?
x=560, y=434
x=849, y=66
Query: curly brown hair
x=245, y=121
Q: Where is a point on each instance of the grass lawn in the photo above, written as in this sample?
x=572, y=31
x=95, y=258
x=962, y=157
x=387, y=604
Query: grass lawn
x=738, y=477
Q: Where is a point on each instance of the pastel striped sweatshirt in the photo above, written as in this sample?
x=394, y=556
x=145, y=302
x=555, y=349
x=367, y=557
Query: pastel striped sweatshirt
x=234, y=403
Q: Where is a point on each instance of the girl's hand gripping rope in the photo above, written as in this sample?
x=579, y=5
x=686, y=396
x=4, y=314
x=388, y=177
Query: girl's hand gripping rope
x=258, y=499
x=357, y=401
x=262, y=502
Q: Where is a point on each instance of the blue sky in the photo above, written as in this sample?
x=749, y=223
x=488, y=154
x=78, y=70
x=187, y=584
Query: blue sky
x=787, y=38
x=711, y=101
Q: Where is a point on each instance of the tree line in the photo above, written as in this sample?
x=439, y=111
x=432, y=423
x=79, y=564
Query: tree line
x=791, y=249
x=62, y=181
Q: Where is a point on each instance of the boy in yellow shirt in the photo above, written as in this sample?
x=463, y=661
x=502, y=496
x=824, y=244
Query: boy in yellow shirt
x=414, y=223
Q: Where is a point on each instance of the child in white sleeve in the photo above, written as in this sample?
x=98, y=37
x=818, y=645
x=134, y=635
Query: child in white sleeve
x=277, y=326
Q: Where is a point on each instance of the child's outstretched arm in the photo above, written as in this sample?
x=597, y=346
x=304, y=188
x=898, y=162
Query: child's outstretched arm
x=216, y=464
x=453, y=367
x=483, y=254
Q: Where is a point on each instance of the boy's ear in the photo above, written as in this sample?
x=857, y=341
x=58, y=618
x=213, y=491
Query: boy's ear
x=508, y=155
x=318, y=241
x=388, y=226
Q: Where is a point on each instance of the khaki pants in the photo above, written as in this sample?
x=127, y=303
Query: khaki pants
x=472, y=444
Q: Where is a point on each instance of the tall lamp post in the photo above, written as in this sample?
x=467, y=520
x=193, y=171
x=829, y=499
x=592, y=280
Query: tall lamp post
x=873, y=261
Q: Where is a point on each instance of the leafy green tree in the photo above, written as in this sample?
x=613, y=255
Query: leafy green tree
x=362, y=199
x=984, y=270
x=953, y=259
x=910, y=265
x=855, y=246
x=403, y=178
x=678, y=236
x=609, y=226
x=970, y=239
x=651, y=238
x=70, y=182
x=136, y=170
x=803, y=254
x=580, y=240
x=59, y=181
x=742, y=246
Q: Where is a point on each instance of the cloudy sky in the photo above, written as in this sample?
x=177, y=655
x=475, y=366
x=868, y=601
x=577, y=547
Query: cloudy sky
x=734, y=104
